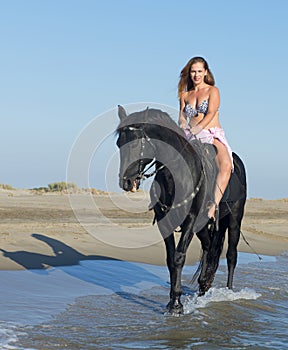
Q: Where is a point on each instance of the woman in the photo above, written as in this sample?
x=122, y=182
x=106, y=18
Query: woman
x=199, y=118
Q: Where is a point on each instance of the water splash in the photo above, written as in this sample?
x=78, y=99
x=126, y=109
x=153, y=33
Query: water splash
x=192, y=303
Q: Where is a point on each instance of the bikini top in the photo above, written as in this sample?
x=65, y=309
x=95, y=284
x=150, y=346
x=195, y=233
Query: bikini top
x=192, y=112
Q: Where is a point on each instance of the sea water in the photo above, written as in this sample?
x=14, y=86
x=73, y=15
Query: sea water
x=112, y=304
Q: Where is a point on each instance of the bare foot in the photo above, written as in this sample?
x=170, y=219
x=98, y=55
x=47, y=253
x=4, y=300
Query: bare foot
x=213, y=214
x=211, y=210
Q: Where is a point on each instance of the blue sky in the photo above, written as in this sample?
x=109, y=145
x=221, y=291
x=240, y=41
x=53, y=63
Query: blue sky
x=64, y=63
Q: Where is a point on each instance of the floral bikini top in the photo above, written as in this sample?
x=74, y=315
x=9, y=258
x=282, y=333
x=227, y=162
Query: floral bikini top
x=192, y=112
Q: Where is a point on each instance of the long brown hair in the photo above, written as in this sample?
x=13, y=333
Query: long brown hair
x=186, y=83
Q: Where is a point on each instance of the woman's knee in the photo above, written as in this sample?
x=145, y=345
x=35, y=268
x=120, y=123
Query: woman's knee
x=223, y=158
x=226, y=165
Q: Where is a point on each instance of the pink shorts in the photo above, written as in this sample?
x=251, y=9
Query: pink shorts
x=208, y=136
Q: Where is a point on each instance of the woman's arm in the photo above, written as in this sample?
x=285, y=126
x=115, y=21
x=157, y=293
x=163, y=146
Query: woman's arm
x=182, y=117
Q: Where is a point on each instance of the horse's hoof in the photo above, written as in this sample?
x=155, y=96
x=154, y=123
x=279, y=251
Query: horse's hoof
x=201, y=293
x=175, y=310
x=203, y=289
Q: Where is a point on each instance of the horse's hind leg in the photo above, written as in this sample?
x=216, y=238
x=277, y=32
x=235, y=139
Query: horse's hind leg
x=234, y=228
x=205, y=239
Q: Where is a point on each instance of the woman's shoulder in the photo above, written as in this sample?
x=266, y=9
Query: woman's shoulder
x=213, y=90
x=184, y=95
x=212, y=87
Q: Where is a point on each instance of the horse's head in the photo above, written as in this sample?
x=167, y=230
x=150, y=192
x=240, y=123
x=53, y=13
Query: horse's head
x=136, y=151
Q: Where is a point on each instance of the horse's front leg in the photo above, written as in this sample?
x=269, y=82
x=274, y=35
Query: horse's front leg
x=175, y=293
x=175, y=262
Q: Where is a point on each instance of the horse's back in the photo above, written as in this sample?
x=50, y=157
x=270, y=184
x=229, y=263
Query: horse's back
x=236, y=191
x=239, y=169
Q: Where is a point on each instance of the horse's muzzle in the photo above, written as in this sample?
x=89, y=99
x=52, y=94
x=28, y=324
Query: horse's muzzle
x=129, y=185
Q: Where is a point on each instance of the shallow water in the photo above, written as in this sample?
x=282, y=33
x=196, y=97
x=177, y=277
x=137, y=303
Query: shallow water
x=110, y=304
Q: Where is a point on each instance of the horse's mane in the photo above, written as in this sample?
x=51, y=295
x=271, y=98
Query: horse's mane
x=151, y=116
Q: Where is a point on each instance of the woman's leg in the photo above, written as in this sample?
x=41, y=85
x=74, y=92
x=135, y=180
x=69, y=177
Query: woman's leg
x=225, y=166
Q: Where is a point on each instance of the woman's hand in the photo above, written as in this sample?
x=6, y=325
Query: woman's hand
x=195, y=129
x=182, y=123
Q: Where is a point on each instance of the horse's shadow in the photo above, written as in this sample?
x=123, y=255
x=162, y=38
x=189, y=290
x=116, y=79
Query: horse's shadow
x=113, y=274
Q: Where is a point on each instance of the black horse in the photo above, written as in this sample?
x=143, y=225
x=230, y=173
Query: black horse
x=183, y=186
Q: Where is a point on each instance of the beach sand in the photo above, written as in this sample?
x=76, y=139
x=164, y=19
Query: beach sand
x=59, y=229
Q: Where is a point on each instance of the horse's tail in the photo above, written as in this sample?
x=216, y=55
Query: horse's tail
x=213, y=255
x=197, y=272
x=209, y=262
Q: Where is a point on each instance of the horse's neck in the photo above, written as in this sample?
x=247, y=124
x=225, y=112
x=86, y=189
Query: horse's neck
x=184, y=149
x=181, y=159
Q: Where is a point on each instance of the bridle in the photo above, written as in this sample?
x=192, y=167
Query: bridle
x=142, y=172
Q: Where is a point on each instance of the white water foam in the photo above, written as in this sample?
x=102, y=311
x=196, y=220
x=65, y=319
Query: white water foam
x=191, y=304
x=9, y=335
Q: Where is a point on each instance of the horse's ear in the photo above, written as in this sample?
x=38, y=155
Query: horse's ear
x=121, y=112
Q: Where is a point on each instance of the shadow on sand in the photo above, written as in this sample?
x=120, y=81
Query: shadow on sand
x=63, y=255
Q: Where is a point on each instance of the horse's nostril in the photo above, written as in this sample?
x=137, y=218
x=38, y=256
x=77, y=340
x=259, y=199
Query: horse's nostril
x=127, y=184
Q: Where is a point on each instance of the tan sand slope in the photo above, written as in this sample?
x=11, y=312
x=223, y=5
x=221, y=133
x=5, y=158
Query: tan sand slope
x=52, y=229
